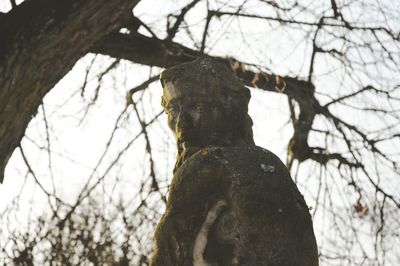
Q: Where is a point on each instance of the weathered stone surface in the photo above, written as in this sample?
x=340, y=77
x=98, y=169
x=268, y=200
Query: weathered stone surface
x=230, y=202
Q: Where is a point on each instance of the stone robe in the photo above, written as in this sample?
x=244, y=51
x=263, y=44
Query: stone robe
x=264, y=221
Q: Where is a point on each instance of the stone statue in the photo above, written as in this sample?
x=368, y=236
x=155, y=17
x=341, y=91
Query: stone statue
x=230, y=202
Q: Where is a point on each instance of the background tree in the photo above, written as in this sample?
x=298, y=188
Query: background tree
x=331, y=65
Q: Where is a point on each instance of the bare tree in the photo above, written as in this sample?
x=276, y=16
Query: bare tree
x=336, y=62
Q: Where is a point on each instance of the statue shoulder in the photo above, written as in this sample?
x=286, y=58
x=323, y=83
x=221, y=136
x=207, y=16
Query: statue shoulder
x=234, y=158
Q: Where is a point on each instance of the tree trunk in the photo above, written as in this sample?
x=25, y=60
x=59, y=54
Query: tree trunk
x=41, y=41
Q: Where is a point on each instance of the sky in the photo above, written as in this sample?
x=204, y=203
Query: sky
x=79, y=135
x=77, y=144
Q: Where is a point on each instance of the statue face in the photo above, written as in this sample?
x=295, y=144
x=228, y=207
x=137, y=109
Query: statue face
x=206, y=105
x=195, y=121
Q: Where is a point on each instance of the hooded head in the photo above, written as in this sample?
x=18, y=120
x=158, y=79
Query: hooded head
x=206, y=105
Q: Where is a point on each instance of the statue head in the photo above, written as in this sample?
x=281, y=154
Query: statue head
x=206, y=105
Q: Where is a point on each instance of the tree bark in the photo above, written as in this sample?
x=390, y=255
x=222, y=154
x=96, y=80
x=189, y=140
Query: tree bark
x=41, y=41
